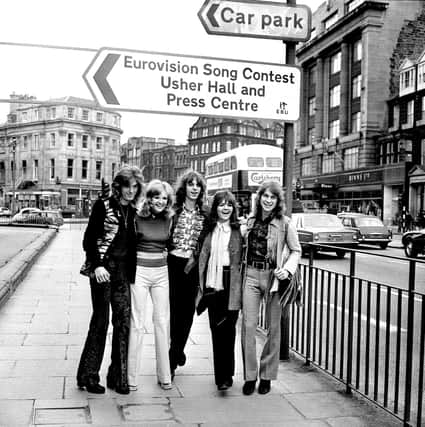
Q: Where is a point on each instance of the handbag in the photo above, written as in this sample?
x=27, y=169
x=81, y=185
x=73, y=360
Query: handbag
x=87, y=269
x=290, y=289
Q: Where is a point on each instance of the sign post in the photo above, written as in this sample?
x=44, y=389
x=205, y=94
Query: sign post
x=191, y=85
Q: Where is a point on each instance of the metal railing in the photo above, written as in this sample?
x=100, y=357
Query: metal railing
x=367, y=334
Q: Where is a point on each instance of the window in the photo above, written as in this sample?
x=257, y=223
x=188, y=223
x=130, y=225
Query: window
x=25, y=142
x=24, y=116
x=196, y=149
x=423, y=151
x=351, y=158
x=355, y=122
x=334, y=129
x=113, y=169
x=53, y=111
x=52, y=169
x=98, y=142
x=273, y=162
x=202, y=148
x=115, y=120
x=423, y=108
x=255, y=162
x=216, y=129
x=85, y=141
x=114, y=145
x=312, y=106
x=71, y=112
x=310, y=136
x=312, y=75
x=334, y=96
x=407, y=79
x=331, y=20
x=98, y=169
x=70, y=168
x=421, y=73
x=306, y=166
x=410, y=108
x=52, y=140
x=35, y=170
x=24, y=168
x=205, y=132
x=84, y=168
x=218, y=146
x=36, y=114
x=353, y=4
x=357, y=51
x=328, y=163
x=99, y=117
x=85, y=115
x=36, y=142
x=70, y=139
x=356, y=86
x=336, y=63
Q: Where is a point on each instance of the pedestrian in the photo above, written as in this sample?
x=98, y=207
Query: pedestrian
x=153, y=225
x=109, y=243
x=269, y=233
x=188, y=231
x=220, y=284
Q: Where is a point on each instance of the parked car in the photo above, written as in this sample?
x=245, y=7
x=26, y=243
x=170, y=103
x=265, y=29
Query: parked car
x=323, y=228
x=371, y=230
x=38, y=216
x=414, y=243
x=5, y=212
x=54, y=216
x=27, y=215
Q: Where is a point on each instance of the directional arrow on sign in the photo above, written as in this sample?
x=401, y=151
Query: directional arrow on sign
x=261, y=19
x=100, y=78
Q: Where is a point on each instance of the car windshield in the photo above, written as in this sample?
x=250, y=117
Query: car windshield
x=321, y=220
x=369, y=222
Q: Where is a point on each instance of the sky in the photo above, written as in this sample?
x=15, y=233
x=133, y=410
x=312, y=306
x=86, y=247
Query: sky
x=46, y=46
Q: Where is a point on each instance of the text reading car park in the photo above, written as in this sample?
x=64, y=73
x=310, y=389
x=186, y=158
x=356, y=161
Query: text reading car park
x=207, y=70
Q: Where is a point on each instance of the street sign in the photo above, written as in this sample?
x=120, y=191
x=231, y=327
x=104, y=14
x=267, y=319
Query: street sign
x=167, y=83
x=261, y=19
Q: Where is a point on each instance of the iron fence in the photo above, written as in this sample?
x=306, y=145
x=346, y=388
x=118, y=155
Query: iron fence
x=367, y=334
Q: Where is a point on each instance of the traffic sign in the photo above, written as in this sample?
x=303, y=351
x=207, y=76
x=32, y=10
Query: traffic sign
x=167, y=83
x=261, y=19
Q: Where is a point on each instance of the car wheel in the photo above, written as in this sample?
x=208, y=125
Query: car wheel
x=410, y=250
x=383, y=245
x=340, y=254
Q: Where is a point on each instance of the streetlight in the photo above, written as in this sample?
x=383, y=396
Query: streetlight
x=13, y=147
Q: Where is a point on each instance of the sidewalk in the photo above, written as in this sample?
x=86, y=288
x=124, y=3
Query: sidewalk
x=43, y=327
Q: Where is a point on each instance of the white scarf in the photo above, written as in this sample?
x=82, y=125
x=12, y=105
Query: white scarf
x=219, y=245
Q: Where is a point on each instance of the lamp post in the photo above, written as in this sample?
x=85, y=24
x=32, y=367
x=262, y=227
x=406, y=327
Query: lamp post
x=13, y=147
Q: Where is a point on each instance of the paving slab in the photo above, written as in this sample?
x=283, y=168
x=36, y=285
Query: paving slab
x=16, y=412
x=31, y=388
x=32, y=352
x=253, y=408
x=377, y=420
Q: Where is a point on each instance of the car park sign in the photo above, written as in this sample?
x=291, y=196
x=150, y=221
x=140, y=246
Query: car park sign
x=256, y=19
x=155, y=82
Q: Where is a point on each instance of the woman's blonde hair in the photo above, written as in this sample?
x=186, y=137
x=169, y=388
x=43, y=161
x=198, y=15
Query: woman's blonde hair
x=154, y=188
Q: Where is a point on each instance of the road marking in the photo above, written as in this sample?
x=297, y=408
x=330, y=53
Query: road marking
x=382, y=324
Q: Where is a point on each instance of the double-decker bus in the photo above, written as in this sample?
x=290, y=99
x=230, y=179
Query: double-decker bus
x=242, y=170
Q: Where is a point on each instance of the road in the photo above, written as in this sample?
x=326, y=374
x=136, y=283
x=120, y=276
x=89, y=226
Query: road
x=14, y=239
x=379, y=327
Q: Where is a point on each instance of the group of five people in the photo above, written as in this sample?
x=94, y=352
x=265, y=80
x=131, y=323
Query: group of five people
x=188, y=257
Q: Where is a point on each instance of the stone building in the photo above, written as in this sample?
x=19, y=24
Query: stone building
x=159, y=158
x=54, y=153
x=347, y=75
x=210, y=136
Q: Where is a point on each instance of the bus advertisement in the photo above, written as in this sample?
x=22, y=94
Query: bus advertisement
x=242, y=170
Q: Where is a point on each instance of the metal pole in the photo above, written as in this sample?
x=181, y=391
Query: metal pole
x=13, y=145
x=288, y=157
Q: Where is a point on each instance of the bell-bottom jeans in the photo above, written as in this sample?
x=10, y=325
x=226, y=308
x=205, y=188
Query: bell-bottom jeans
x=153, y=281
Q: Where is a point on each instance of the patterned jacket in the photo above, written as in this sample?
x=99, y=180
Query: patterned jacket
x=101, y=231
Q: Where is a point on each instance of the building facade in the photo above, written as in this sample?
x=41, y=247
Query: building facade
x=54, y=153
x=210, y=136
x=159, y=158
x=347, y=68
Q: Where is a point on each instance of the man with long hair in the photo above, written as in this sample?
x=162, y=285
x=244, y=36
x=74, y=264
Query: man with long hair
x=272, y=252
x=188, y=232
x=109, y=242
